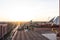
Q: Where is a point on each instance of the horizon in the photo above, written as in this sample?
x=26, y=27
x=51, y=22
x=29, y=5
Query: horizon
x=26, y=10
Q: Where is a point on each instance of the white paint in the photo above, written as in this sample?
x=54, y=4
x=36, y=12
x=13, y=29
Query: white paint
x=26, y=30
x=51, y=36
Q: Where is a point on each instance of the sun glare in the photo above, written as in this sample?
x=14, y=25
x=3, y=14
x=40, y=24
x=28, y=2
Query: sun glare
x=28, y=10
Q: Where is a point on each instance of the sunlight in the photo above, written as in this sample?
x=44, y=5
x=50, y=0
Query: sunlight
x=28, y=10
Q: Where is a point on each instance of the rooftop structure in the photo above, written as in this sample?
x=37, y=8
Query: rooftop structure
x=55, y=20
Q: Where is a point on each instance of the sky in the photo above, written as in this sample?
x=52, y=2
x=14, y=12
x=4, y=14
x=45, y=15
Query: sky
x=25, y=10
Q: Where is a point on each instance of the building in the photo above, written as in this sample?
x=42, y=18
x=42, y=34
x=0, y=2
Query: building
x=3, y=30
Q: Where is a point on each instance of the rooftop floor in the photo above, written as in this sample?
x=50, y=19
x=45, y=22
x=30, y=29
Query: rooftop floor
x=29, y=35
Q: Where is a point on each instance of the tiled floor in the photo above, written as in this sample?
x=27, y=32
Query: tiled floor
x=29, y=35
x=58, y=38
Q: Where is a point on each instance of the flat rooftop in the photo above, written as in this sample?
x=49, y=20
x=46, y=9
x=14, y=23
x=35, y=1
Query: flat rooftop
x=29, y=35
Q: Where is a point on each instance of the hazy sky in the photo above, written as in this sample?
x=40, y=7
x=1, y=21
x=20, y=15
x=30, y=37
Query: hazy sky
x=25, y=10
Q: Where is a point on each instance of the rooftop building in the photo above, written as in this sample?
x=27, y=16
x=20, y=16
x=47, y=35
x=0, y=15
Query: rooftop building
x=55, y=20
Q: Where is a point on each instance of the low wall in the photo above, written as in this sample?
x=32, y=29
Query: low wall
x=41, y=29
